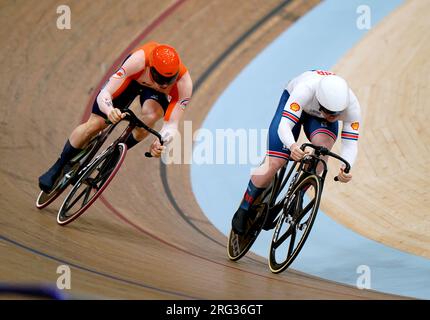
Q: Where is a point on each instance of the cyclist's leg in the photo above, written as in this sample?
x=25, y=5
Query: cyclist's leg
x=276, y=156
x=97, y=121
x=320, y=132
x=86, y=131
x=154, y=105
x=81, y=135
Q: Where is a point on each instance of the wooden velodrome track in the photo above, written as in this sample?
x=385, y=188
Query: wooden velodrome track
x=390, y=202
x=147, y=237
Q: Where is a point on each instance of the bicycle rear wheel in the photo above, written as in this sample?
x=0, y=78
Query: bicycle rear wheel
x=44, y=199
x=239, y=245
x=92, y=182
x=295, y=223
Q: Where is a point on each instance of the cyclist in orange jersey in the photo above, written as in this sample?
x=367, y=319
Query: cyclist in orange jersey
x=155, y=73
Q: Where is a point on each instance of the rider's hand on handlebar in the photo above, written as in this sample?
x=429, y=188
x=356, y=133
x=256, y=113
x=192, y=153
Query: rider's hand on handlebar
x=157, y=149
x=115, y=115
x=344, y=177
x=297, y=153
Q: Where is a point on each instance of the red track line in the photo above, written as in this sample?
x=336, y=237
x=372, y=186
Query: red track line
x=146, y=232
x=87, y=112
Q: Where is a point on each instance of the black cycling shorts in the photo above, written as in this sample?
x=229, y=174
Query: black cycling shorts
x=134, y=89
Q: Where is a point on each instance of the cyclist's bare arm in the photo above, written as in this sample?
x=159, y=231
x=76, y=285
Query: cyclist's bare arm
x=181, y=96
x=118, y=82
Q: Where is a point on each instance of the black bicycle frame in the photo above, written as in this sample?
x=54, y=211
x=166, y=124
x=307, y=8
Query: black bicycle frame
x=134, y=122
x=309, y=164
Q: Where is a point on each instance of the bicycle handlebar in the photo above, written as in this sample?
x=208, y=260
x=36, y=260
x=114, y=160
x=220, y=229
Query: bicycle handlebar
x=325, y=152
x=132, y=118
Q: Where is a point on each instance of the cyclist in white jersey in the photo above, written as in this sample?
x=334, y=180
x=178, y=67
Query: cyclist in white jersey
x=316, y=100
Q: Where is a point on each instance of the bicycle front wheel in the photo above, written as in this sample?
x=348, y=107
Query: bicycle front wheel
x=295, y=223
x=92, y=182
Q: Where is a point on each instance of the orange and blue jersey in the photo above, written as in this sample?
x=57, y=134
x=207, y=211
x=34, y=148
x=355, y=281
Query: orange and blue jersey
x=136, y=68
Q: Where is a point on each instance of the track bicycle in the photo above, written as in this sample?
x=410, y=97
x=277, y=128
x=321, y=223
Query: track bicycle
x=93, y=176
x=290, y=215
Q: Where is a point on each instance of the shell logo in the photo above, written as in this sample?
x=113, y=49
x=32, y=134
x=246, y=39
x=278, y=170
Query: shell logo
x=295, y=106
x=355, y=125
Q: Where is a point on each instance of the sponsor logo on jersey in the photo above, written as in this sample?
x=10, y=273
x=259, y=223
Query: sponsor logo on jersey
x=120, y=74
x=324, y=73
x=295, y=107
x=183, y=103
x=355, y=125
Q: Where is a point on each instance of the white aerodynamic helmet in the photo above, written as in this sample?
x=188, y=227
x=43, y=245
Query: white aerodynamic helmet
x=332, y=94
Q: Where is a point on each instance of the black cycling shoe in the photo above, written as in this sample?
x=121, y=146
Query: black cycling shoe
x=271, y=219
x=48, y=179
x=240, y=220
x=71, y=173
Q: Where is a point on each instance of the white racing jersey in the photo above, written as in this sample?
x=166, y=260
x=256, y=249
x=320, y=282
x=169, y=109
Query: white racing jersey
x=302, y=90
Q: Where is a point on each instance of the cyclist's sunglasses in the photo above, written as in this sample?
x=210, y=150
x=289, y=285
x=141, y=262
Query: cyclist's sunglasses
x=162, y=80
x=326, y=111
